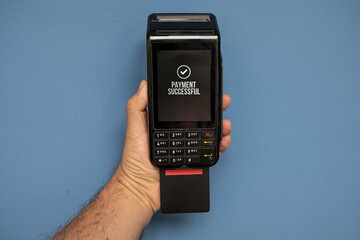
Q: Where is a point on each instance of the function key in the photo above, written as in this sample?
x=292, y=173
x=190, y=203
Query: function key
x=177, y=151
x=207, y=142
x=178, y=143
x=208, y=134
x=194, y=151
x=160, y=135
x=192, y=160
x=162, y=160
x=207, y=155
x=176, y=134
x=177, y=160
x=192, y=134
x=161, y=152
x=161, y=143
x=192, y=143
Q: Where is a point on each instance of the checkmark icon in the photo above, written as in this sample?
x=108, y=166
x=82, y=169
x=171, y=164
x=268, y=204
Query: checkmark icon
x=183, y=72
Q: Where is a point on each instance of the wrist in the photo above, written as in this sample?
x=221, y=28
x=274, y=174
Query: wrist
x=135, y=192
x=120, y=211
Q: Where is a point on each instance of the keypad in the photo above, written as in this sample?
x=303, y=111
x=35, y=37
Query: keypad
x=175, y=148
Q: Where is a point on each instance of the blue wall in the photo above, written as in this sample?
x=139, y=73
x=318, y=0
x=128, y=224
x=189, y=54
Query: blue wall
x=291, y=67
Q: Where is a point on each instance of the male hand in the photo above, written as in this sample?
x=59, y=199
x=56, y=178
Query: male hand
x=126, y=204
x=135, y=164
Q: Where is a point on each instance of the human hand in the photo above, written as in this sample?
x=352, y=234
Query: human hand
x=126, y=204
x=135, y=168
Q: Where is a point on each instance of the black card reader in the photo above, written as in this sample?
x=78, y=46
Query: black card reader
x=184, y=68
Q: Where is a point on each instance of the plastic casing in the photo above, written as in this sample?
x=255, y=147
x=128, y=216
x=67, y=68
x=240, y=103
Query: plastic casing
x=189, y=29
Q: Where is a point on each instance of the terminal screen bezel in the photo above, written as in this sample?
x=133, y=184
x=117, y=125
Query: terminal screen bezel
x=184, y=45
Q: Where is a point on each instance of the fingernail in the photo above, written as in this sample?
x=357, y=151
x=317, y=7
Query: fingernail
x=141, y=85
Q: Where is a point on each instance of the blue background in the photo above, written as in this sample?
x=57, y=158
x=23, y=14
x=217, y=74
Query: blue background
x=293, y=71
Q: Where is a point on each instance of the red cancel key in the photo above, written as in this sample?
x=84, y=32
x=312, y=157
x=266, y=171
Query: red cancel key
x=207, y=134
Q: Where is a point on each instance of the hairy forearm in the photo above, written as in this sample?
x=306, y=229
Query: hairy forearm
x=120, y=211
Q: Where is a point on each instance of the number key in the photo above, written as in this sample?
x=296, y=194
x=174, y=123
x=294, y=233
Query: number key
x=160, y=134
x=176, y=135
x=177, y=151
x=192, y=151
x=176, y=143
x=161, y=152
x=177, y=160
x=192, y=143
x=192, y=134
x=161, y=143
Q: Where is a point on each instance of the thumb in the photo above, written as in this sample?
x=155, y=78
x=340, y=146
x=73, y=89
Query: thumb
x=136, y=109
